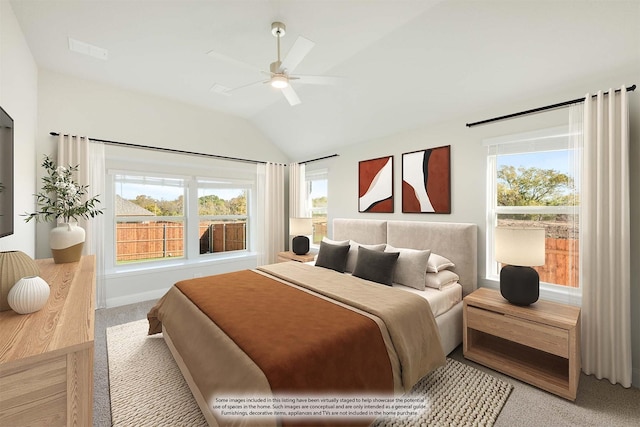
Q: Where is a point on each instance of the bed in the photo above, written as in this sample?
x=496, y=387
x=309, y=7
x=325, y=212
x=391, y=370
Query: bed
x=455, y=241
x=355, y=336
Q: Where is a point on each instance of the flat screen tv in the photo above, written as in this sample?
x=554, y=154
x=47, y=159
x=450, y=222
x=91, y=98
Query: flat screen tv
x=6, y=174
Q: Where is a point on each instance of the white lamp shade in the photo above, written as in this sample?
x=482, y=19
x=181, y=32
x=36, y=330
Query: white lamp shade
x=520, y=246
x=300, y=226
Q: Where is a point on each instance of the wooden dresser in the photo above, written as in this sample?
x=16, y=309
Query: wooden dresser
x=46, y=357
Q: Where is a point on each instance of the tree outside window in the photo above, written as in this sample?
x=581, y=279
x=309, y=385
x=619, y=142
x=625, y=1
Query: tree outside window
x=537, y=186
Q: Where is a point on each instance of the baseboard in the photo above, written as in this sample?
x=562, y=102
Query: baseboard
x=135, y=298
x=635, y=377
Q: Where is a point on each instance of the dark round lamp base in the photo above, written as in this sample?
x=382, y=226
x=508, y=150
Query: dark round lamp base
x=519, y=285
x=300, y=245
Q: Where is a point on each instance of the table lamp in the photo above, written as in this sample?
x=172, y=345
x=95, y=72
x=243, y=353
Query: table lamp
x=301, y=228
x=517, y=249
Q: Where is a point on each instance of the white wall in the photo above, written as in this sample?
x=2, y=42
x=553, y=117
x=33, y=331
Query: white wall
x=47, y=101
x=19, y=97
x=71, y=105
x=80, y=107
x=468, y=168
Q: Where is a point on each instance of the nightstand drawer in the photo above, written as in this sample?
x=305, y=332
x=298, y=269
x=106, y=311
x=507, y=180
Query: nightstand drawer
x=543, y=337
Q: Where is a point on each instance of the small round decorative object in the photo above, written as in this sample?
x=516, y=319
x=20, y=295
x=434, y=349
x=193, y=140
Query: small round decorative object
x=30, y=294
x=13, y=266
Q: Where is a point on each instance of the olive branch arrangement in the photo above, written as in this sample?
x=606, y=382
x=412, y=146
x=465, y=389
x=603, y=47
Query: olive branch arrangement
x=61, y=196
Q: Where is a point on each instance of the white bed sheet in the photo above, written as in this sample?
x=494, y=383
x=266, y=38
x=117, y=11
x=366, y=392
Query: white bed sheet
x=441, y=300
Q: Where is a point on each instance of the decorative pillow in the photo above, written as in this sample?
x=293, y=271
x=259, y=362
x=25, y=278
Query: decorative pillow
x=440, y=279
x=411, y=268
x=336, y=242
x=438, y=263
x=376, y=266
x=332, y=256
x=353, y=254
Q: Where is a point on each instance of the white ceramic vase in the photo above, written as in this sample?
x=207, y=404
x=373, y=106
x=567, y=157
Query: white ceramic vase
x=66, y=241
x=28, y=295
x=13, y=266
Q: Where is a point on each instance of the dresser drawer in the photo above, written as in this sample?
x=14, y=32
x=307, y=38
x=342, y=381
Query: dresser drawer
x=532, y=334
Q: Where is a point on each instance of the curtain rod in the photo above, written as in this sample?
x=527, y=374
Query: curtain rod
x=320, y=158
x=540, y=109
x=168, y=150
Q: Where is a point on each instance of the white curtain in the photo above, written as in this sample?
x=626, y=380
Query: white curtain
x=297, y=191
x=77, y=150
x=604, y=239
x=271, y=215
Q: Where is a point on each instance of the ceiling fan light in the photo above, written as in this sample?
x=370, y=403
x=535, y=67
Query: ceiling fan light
x=279, y=82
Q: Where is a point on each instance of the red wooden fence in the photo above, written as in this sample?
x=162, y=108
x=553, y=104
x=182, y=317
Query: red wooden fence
x=145, y=241
x=561, y=262
x=222, y=237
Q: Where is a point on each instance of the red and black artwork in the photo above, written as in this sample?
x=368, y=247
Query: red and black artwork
x=426, y=181
x=375, y=185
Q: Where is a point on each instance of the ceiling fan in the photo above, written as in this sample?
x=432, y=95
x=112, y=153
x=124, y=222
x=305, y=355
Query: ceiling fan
x=280, y=76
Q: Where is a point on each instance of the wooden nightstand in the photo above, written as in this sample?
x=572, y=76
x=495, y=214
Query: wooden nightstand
x=538, y=344
x=290, y=256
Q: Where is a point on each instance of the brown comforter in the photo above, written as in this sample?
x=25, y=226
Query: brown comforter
x=301, y=342
x=385, y=318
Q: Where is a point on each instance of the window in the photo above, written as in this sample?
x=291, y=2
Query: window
x=317, y=201
x=533, y=181
x=154, y=223
x=222, y=213
x=150, y=219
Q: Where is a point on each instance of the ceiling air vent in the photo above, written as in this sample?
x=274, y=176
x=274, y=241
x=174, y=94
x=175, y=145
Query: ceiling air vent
x=87, y=49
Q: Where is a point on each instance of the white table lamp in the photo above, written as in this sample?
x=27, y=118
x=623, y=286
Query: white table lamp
x=301, y=228
x=517, y=249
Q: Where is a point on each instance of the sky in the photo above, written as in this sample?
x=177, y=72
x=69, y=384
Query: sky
x=130, y=191
x=557, y=160
x=319, y=189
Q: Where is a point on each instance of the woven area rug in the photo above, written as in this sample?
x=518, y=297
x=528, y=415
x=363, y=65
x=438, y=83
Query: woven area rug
x=147, y=388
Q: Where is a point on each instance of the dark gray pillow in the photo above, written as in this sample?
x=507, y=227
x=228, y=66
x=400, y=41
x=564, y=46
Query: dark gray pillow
x=332, y=256
x=376, y=266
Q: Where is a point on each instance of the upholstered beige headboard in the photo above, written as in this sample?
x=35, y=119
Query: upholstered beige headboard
x=365, y=231
x=456, y=241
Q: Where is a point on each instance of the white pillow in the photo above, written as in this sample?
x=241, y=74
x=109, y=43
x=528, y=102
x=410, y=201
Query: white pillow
x=352, y=257
x=411, y=267
x=336, y=242
x=440, y=279
x=438, y=263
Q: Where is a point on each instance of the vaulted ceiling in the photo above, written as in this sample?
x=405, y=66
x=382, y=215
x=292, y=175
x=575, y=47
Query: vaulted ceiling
x=404, y=63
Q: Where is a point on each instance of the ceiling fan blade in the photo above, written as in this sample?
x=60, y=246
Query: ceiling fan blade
x=318, y=80
x=291, y=95
x=237, y=62
x=220, y=89
x=298, y=51
x=247, y=85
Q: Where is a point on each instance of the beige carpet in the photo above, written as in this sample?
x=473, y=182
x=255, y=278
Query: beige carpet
x=147, y=388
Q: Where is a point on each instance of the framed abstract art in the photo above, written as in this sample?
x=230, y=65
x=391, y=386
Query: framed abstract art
x=426, y=181
x=375, y=185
